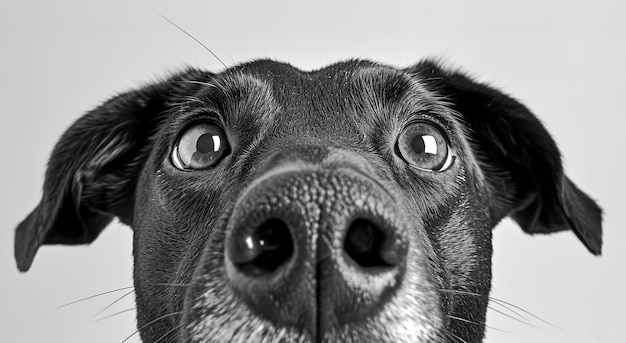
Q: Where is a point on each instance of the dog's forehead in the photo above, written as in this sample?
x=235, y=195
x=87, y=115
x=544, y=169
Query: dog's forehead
x=337, y=83
x=352, y=94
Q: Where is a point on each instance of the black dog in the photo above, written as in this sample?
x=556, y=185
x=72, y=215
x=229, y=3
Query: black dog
x=349, y=204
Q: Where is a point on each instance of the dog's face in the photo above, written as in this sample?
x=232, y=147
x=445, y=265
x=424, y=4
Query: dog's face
x=350, y=204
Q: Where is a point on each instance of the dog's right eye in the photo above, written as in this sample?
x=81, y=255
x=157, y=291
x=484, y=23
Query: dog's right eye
x=425, y=147
x=200, y=146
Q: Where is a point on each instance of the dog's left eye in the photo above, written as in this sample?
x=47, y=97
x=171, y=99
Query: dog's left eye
x=424, y=146
x=200, y=146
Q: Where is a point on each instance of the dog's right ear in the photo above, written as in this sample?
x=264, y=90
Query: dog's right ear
x=93, y=168
x=519, y=158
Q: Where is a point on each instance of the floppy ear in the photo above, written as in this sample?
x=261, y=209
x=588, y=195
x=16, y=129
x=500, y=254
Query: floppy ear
x=521, y=160
x=93, y=169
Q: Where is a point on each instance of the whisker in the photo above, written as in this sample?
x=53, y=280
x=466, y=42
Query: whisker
x=94, y=296
x=503, y=304
x=115, y=314
x=131, y=292
x=150, y=323
x=169, y=332
x=194, y=38
x=524, y=321
x=115, y=302
x=475, y=323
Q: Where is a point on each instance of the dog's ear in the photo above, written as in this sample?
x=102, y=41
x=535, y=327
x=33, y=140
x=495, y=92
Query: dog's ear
x=93, y=169
x=520, y=159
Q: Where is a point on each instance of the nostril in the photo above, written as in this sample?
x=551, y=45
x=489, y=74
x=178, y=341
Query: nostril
x=263, y=250
x=367, y=245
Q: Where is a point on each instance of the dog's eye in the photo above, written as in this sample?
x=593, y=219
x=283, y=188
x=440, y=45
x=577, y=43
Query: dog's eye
x=200, y=146
x=423, y=146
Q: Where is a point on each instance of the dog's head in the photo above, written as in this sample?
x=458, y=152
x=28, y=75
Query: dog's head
x=351, y=203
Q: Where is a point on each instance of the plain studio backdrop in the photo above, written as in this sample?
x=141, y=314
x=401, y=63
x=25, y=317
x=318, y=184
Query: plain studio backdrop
x=565, y=59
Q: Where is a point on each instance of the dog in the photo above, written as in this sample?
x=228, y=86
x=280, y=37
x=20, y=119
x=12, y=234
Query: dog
x=354, y=203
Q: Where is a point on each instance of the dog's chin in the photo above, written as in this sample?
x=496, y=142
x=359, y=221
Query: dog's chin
x=264, y=332
x=392, y=325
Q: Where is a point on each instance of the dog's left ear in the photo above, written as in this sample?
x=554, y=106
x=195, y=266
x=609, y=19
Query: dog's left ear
x=93, y=169
x=519, y=158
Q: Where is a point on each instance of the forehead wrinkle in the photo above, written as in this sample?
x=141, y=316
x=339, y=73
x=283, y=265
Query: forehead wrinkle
x=245, y=94
x=391, y=95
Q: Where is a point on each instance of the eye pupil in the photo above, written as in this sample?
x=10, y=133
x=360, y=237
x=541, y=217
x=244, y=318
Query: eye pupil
x=205, y=143
x=417, y=144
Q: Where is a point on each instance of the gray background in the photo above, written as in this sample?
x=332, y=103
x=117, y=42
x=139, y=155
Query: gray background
x=565, y=59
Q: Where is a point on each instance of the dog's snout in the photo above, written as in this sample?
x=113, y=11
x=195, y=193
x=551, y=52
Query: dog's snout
x=314, y=250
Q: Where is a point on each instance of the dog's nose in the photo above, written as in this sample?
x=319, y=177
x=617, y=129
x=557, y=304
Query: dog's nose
x=313, y=250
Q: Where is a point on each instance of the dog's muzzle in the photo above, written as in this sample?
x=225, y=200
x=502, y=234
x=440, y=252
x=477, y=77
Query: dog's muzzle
x=315, y=249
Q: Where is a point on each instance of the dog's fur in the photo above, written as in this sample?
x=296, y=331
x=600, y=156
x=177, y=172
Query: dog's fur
x=319, y=151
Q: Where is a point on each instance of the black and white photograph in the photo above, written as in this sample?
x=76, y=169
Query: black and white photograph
x=312, y=172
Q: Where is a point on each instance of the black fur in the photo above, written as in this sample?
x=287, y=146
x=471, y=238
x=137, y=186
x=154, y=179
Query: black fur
x=321, y=137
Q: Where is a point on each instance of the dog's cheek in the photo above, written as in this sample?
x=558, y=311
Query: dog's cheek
x=168, y=241
x=465, y=244
x=456, y=241
x=157, y=250
x=464, y=248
